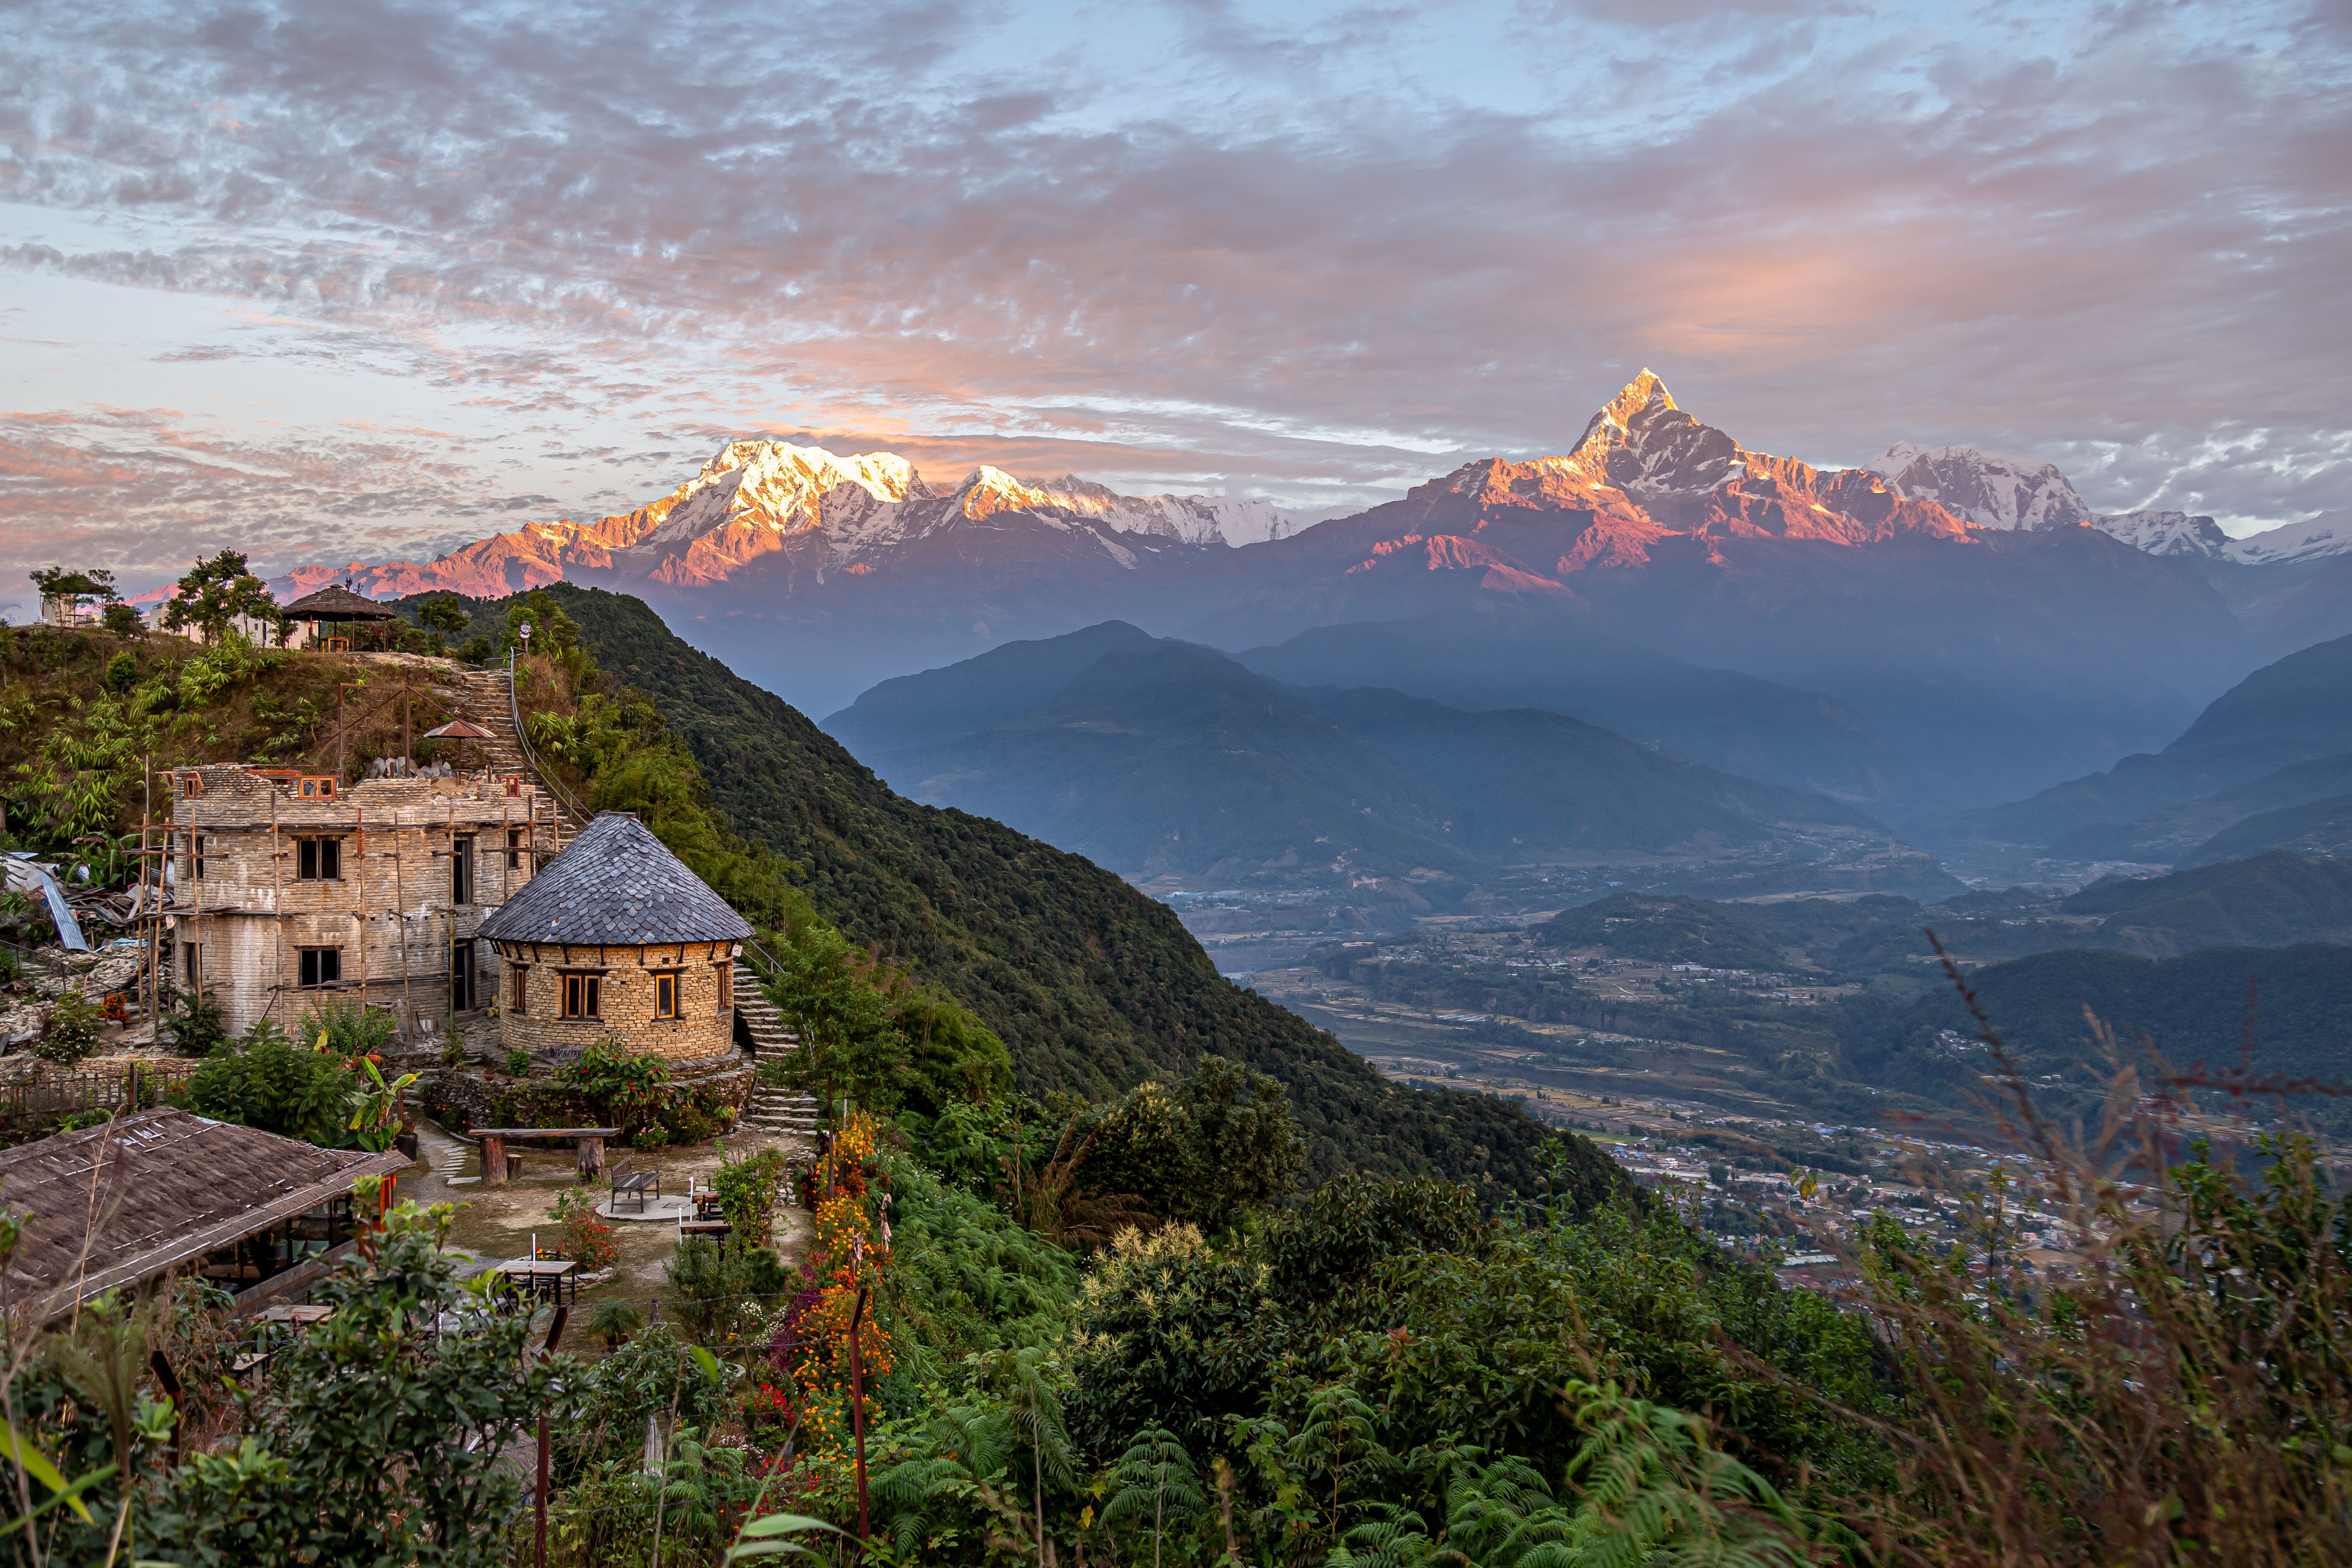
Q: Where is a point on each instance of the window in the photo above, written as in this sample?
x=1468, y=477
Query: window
x=518, y=987
x=322, y=788
x=584, y=996
x=461, y=978
x=321, y=966
x=461, y=870
x=192, y=786
x=665, y=993
x=191, y=957
x=196, y=857
x=518, y=841
x=319, y=860
x=726, y=986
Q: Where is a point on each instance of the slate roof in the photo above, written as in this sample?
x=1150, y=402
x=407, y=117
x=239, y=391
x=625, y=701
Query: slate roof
x=163, y=1186
x=337, y=602
x=615, y=885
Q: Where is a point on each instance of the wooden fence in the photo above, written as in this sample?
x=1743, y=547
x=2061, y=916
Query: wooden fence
x=133, y=1087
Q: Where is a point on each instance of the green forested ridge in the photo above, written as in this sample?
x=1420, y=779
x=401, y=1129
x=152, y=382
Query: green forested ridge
x=1092, y=987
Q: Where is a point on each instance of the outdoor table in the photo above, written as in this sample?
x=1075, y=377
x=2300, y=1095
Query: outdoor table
x=302, y=1317
x=588, y=1143
x=548, y=1274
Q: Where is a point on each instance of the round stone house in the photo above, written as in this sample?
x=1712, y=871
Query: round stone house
x=615, y=937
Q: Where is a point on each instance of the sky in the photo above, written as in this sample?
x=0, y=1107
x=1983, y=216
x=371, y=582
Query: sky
x=360, y=280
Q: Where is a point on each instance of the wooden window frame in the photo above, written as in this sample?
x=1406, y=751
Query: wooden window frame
x=726, y=986
x=461, y=872
x=518, y=989
x=583, y=994
x=312, y=855
x=517, y=845
x=311, y=965
x=674, y=982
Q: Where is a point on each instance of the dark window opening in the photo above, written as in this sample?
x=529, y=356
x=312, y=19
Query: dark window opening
x=321, y=966
x=518, y=841
x=461, y=977
x=193, y=957
x=666, y=995
x=518, y=987
x=461, y=870
x=196, y=856
x=319, y=860
x=584, y=996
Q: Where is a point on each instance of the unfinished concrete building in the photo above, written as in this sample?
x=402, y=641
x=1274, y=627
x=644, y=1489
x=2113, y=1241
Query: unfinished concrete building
x=291, y=888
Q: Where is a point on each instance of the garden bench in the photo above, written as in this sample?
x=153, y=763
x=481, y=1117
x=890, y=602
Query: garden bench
x=630, y=1177
x=589, y=1142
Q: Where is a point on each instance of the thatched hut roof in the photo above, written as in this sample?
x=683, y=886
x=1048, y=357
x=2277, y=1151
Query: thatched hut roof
x=337, y=602
x=118, y=1205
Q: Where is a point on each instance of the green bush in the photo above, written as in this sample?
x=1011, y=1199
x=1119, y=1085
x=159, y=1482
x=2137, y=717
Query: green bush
x=70, y=1035
x=351, y=1029
x=268, y=1081
x=195, y=1019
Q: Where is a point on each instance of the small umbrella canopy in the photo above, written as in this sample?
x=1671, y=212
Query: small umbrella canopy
x=458, y=729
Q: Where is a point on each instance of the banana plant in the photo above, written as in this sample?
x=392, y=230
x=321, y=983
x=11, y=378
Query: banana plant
x=375, y=1107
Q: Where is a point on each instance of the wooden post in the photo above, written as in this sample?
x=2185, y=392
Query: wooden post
x=400, y=913
x=278, y=893
x=494, y=1160
x=539, y=1492
x=359, y=832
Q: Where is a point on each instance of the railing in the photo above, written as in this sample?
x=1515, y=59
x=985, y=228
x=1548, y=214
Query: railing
x=135, y=1087
x=562, y=796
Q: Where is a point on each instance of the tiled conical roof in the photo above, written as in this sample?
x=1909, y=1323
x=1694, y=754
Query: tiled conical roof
x=615, y=885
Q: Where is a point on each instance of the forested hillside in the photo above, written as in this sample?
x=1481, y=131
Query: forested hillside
x=1092, y=987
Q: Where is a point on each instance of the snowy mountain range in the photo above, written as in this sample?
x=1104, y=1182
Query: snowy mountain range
x=829, y=514
x=1994, y=490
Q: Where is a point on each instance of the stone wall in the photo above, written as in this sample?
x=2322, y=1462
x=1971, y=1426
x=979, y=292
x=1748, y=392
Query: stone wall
x=462, y=1098
x=704, y=1029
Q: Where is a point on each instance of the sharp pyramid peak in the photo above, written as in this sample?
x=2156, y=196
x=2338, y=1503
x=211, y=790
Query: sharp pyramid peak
x=1645, y=392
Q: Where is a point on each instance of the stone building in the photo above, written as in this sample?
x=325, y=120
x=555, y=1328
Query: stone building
x=616, y=937
x=287, y=887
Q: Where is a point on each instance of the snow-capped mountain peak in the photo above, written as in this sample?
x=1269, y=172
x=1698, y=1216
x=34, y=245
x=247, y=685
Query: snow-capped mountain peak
x=1990, y=489
x=2329, y=533
x=1641, y=443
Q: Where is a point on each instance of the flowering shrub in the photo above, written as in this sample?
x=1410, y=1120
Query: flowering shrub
x=584, y=1238
x=850, y=1250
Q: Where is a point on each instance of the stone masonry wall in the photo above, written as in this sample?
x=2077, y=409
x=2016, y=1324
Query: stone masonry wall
x=390, y=915
x=703, y=1030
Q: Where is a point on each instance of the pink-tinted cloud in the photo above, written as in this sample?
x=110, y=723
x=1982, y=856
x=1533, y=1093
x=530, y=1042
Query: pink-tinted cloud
x=1323, y=254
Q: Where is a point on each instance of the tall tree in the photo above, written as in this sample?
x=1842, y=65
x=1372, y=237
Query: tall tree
x=215, y=593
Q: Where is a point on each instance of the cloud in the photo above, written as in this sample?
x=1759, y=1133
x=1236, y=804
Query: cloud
x=1316, y=256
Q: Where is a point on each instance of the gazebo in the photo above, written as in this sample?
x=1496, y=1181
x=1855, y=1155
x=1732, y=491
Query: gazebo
x=336, y=606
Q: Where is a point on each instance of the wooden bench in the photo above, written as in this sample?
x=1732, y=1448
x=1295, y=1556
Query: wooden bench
x=588, y=1140
x=631, y=1177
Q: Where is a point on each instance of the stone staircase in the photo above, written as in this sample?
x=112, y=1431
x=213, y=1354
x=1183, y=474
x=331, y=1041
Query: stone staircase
x=780, y=1110
x=480, y=697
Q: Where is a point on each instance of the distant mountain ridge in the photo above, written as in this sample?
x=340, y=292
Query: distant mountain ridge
x=1164, y=758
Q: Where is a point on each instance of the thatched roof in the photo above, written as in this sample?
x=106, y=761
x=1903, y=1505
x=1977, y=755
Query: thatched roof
x=118, y=1205
x=615, y=885
x=337, y=602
